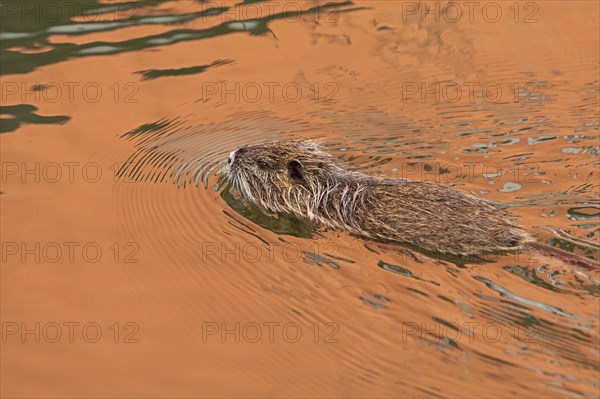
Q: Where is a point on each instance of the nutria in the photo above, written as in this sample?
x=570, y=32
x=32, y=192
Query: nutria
x=296, y=177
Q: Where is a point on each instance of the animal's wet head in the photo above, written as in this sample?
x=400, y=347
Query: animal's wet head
x=269, y=173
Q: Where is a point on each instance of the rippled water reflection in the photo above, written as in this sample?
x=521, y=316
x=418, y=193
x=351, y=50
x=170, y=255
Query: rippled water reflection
x=137, y=105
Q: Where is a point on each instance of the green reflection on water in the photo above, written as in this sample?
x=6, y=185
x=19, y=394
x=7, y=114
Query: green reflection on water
x=25, y=113
x=32, y=33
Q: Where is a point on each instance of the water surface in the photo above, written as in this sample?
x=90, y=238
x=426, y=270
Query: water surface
x=117, y=120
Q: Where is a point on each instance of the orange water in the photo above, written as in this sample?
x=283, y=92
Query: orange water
x=195, y=293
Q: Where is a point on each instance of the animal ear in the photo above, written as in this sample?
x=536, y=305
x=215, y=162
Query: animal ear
x=295, y=171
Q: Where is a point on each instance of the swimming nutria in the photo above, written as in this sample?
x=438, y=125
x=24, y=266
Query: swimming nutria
x=296, y=177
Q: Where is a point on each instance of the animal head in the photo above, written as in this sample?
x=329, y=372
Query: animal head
x=276, y=173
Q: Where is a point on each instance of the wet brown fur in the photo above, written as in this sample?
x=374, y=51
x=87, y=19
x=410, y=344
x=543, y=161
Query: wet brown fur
x=296, y=177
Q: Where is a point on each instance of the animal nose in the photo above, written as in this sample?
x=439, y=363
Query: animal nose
x=231, y=157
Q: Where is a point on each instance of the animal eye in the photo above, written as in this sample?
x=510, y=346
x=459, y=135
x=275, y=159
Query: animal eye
x=262, y=164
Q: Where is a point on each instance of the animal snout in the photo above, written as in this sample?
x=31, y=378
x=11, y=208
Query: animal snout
x=238, y=151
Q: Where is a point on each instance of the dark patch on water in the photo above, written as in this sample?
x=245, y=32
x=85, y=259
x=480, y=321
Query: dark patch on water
x=530, y=276
x=25, y=113
x=17, y=62
x=317, y=260
x=149, y=74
